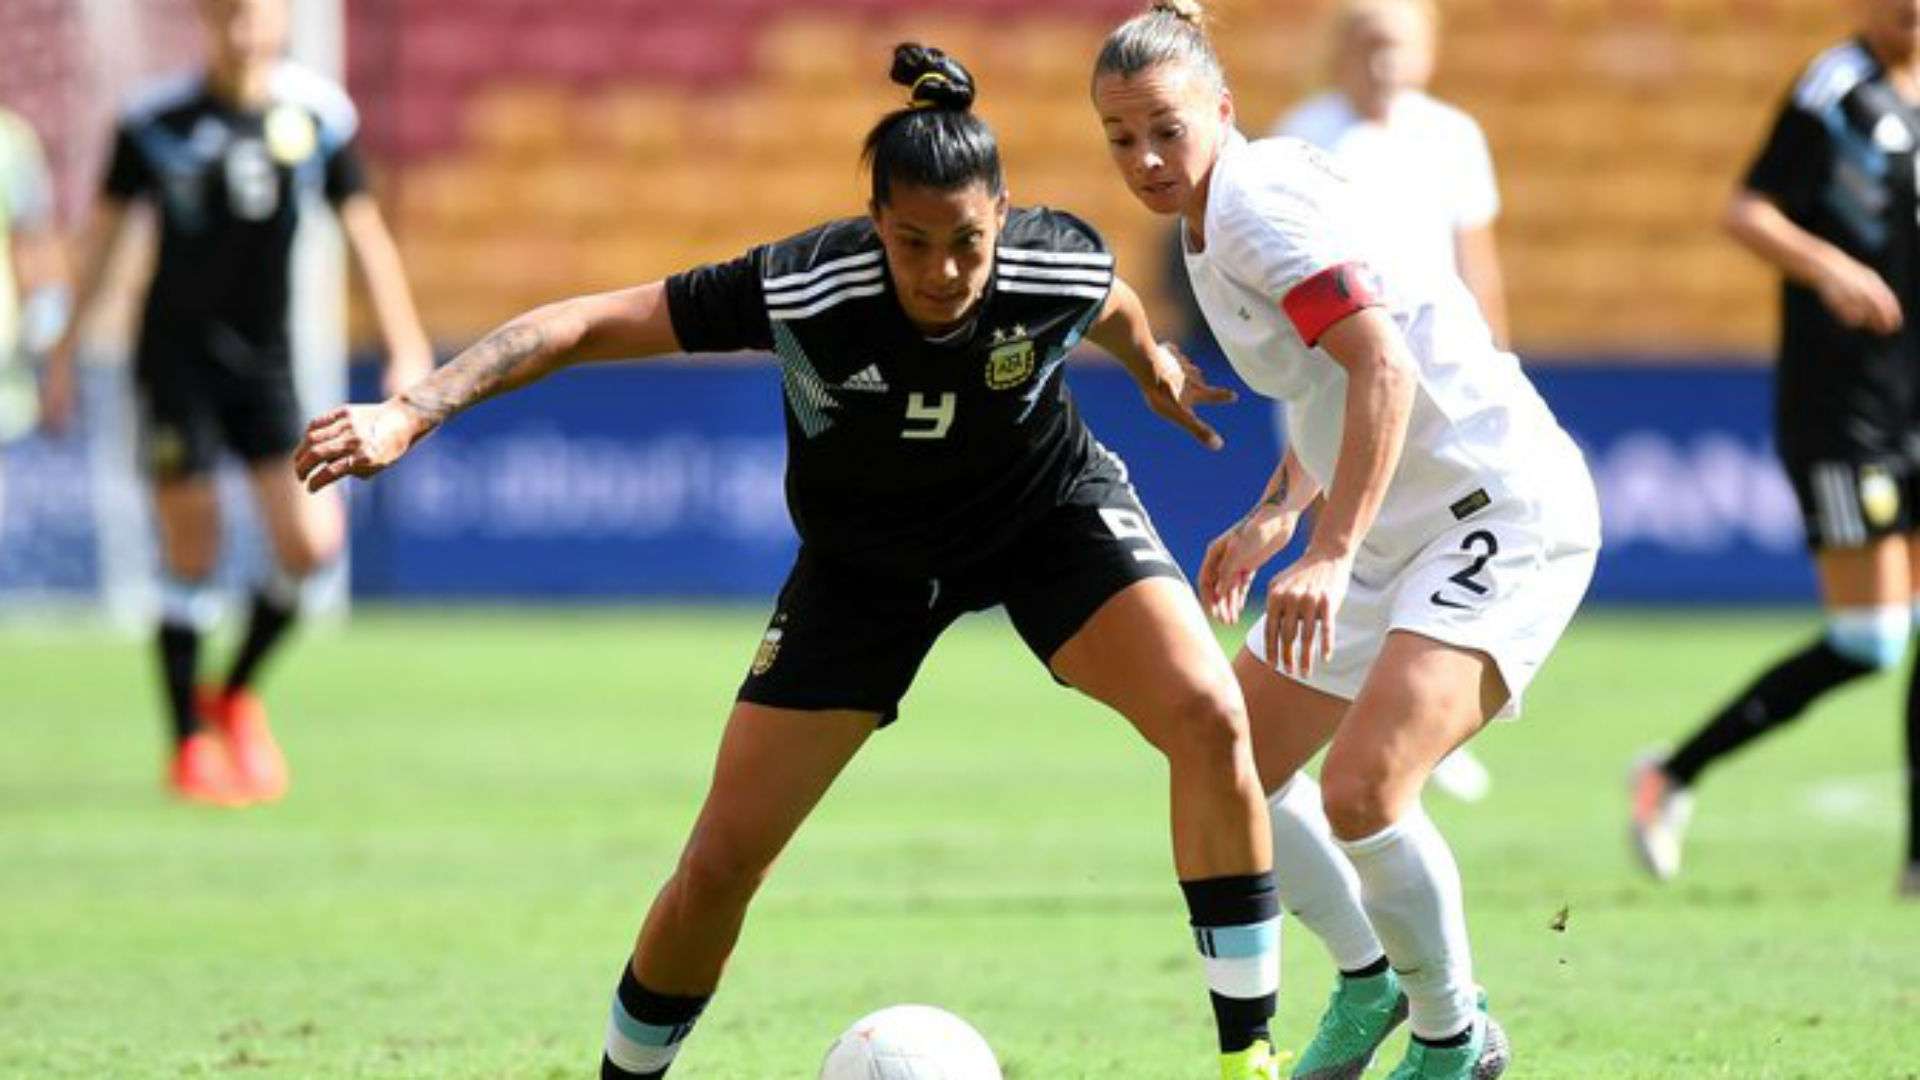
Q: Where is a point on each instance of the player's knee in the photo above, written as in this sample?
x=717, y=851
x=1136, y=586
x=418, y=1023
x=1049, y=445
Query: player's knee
x=716, y=873
x=1207, y=729
x=1874, y=637
x=308, y=556
x=1357, y=801
x=190, y=562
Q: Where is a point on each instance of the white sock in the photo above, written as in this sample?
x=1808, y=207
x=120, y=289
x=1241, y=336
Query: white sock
x=1316, y=882
x=1411, y=888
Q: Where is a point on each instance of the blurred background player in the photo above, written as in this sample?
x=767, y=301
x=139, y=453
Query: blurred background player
x=229, y=157
x=1831, y=204
x=1457, y=533
x=33, y=280
x=1423, y=167
x=937, y=465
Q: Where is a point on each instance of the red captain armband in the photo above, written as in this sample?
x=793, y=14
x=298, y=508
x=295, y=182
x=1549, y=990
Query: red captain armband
x=1329, y=296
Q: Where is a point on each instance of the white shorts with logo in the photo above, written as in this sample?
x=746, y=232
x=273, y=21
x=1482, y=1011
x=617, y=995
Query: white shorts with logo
x=1504, y=580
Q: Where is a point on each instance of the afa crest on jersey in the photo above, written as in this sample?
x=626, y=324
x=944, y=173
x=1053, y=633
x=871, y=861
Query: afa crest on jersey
x=1879, y=496
x=291, y=135
x=1010, y=361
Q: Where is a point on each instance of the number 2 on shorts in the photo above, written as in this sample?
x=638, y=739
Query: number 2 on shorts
x=1475, y=540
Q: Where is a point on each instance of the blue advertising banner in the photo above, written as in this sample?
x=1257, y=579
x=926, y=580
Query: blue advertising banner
x=665, y=480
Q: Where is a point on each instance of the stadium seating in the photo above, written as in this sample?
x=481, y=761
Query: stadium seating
x=536, y=149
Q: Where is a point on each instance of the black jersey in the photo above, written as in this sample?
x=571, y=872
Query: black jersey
x=229, y=186
x=1841, y=163
x=908, y=455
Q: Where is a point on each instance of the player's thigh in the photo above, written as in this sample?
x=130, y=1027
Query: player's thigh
x=1872, y=574
x=187, y=510
x=1289, y=720
x=842, y=637
x=1856, y=506
x=1147, y=653
x=1422, y=699
x=773, y=767
x=306, y=528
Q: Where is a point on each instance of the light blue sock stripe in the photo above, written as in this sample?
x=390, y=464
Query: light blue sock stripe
x=1238, y=942
x=647, y=1034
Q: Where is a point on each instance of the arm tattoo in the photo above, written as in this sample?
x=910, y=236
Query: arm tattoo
x=1279, y=496
x=476, y=374
x=1276, y=499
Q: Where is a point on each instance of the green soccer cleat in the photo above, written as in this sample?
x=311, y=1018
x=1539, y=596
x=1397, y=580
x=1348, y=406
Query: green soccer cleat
x=1256, y=1062
x=1360, y=1015
x=1484, y=1057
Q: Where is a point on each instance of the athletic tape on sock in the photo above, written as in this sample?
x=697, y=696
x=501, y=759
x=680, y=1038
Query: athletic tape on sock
x=188, y=603
x=1874, y=635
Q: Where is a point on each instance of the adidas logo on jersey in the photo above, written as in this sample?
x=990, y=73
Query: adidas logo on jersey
x=866, y=379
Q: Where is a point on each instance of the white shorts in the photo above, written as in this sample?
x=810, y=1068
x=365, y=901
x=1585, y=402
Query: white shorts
x=1505, y=581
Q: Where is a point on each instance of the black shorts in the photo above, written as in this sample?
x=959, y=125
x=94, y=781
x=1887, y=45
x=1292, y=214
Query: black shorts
x=846, y=638
x=1848, y=503
x=208, y=391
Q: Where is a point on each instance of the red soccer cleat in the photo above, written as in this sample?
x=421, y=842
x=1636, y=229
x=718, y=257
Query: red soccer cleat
x=201, y=772
x=259, y=769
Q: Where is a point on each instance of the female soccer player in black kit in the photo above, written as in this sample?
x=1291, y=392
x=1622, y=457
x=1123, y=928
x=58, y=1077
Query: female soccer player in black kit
x=227, y=157
x=936, y=466
x=1831, y=203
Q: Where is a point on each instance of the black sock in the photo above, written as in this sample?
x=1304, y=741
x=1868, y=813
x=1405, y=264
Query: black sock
x=1378, y=967
x=648, y=1023
x=1236, y=919
x=1913, y=768
x=1458, y=1039
x=1775, y=698
x=179, y=661
x=265, y=627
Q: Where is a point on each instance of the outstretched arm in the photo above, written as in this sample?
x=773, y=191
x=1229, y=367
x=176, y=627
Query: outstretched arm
x=1171, y=383
x=362, y=440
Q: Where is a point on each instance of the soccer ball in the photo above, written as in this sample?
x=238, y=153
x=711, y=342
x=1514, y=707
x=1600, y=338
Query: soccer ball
x=910, y=1042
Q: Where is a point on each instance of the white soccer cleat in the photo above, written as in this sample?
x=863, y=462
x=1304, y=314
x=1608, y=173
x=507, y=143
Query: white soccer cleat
x=1661, y=810
x=1461, y=775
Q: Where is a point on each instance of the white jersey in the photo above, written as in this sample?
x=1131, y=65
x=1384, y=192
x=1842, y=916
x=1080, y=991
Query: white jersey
x=1279, y=214
x=1424, y=172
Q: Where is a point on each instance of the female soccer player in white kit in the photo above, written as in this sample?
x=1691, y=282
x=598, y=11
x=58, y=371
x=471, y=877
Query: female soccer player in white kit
x=1455, y=536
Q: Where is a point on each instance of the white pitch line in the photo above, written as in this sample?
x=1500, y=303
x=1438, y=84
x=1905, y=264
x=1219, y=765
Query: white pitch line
x=1870, y=799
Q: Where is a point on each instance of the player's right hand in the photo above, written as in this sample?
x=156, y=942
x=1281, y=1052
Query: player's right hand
x=353, y=440
x=1226, y=573
x=1859, y=298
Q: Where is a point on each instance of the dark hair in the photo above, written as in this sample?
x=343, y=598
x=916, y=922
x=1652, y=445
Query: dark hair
x=1168, y=32
x=936, y=141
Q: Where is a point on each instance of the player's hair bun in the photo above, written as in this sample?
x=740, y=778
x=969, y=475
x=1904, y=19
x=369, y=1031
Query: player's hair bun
x=933, y=79
x=1187, y=11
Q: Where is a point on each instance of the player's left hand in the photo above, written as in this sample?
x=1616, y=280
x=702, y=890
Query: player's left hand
x=354, y=440
x=1302, y=603
x=1178, y=385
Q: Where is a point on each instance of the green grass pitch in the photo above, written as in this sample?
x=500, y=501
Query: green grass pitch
x=485, y=801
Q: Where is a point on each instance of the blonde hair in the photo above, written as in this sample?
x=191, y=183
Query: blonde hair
x=1168, y=32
